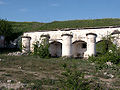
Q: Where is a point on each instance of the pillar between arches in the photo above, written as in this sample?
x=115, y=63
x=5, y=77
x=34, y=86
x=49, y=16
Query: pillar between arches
x=91, y=45
x=67, y=45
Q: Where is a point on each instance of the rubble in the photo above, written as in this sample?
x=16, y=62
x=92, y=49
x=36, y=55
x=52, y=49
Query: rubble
x=109, y=63
x=15, y=54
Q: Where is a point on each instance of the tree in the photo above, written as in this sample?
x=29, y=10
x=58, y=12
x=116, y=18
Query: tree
x=6, y=29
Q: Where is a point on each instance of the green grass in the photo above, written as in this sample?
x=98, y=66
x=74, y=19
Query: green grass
x=35, y=26
x=46, y=73
x=81, y=24
x=26, y=26
x=20, y=27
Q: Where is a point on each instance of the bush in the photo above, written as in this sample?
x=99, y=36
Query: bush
x=103, y=46
x=108, y=52
x=108, y=57
x=32, y=84
x=36, y=85
x=73, y=80
x=41, y=49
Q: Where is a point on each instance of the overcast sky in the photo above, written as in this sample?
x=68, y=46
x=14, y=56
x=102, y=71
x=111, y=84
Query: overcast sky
x=58, y=10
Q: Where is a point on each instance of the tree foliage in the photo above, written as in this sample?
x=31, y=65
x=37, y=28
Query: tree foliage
x=5, y=29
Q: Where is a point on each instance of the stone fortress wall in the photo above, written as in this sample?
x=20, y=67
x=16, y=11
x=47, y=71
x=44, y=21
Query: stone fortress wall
x=75, y=43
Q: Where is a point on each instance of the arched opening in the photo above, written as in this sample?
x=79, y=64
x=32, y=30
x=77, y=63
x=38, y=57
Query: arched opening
x=55, y=49
x=79, y=48
x=103, y=46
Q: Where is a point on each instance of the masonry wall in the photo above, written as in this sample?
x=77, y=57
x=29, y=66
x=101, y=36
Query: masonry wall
x=78, y=34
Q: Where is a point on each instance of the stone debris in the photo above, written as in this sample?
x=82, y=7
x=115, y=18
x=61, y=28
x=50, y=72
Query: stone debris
x=1, y=59
x=109, y=75
x=105, y=73
x=20, y=67
x=109, y=63
x=15, y=54
x=92, y=63
x=15, y=86
x=110, y=51
x=9, y=81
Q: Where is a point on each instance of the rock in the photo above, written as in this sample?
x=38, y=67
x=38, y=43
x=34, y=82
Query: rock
x=109, y=63
x=105, y=73
x=15, y=54
x=92, y=63
x=110, y=51
x=19, y=67
x=19, y=82
x=9, y=81
x=110, y=75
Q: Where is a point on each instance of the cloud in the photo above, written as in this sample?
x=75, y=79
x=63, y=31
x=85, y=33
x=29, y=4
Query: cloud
x=54, y=5
x=2, y=3
x=23, y=10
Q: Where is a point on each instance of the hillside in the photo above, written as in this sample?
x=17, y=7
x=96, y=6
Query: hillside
x=20, y=27
x=80, y=24
x=35, y=26
x=26, y=26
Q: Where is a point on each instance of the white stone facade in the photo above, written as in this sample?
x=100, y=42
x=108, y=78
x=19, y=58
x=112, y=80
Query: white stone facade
x=76, y=43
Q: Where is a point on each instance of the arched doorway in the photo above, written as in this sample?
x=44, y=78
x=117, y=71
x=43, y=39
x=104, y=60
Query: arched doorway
x=78, y=48
x=55, y=49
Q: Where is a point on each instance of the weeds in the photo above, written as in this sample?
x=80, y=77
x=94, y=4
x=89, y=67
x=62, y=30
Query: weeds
x=73, y=80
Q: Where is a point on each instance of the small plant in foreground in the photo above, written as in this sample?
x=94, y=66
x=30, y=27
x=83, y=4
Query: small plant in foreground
x=73, y=80
x=32, y=84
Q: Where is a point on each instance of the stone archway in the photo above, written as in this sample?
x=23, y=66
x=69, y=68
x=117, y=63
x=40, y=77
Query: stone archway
x=55, y=49
x=78, y=48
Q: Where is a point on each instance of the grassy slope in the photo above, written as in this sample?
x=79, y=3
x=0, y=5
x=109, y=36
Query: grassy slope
x=35, y=26
x=21, y=27
x=26, y=26
x=81, y=24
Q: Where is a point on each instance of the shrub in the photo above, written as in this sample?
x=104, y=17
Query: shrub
x=36, y=85
x=32, y=84
x=41, y=49
x=109, y=56
x=109, y=52
x=73, y=80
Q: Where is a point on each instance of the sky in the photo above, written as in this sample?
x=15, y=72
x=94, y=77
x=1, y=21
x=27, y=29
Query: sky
x=58, y=10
